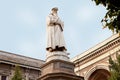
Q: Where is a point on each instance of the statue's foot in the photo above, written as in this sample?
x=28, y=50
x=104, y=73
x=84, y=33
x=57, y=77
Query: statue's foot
x=50, y=50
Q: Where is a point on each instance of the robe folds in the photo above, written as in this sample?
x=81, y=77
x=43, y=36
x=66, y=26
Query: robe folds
x=55, y=38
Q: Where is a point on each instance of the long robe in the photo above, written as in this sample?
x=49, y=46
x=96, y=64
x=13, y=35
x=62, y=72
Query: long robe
x=55, y=38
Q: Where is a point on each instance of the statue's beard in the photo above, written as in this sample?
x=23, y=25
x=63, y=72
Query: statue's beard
x=55, y=14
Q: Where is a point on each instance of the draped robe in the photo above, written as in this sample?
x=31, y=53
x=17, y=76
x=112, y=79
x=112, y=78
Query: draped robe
x=55, y=38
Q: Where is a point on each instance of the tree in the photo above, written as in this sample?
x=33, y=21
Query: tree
x=114, y=68
x=112, y=17
x=17, y=73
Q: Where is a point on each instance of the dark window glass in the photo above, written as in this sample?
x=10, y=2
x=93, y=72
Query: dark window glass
x=3, y=77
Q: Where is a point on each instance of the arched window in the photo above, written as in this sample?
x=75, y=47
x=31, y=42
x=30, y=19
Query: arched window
x=99, y=74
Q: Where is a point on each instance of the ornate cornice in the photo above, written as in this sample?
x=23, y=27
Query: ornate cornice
x=98, y=50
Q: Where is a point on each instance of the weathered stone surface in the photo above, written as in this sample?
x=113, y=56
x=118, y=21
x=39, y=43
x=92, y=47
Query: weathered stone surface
x=57, y=55
x=58, y=70
x=30, y=67
x=19, y=59
x=96, y=59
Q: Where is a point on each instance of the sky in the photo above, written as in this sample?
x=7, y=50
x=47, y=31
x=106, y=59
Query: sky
x=23, y=25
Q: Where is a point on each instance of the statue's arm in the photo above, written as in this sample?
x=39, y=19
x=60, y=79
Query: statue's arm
x=60, y=22
x=57, y=21
x=48, y=21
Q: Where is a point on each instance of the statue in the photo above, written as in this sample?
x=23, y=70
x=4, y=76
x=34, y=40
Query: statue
x=55, y=38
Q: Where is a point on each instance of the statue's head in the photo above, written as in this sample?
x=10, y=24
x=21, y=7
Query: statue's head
x=55, y=9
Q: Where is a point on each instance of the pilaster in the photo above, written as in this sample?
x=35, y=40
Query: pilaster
x=0, y=77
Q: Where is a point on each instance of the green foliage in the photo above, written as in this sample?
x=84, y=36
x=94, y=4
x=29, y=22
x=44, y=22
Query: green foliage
x=114, y=68
x=17, y=74
x=112, y=17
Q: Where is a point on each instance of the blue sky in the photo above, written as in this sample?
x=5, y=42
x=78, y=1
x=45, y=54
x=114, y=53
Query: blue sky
x=23, y=25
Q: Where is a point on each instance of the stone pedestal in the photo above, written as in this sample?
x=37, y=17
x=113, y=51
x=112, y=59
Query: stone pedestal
x=58, y=70
x=57, y=55
x=58, y=67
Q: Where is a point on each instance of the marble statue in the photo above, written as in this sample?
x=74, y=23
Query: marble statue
x=55, y=38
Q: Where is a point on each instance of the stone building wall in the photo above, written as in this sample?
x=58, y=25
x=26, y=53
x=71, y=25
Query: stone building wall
x=30, y=67
x=96, y=58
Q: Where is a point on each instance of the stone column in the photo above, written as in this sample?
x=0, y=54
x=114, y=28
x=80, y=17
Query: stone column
x=27, y=76
x=0, y=77
x=7, y=78
x=12, y=72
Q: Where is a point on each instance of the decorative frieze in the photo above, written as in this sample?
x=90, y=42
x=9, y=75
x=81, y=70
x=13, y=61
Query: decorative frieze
x=99, y=51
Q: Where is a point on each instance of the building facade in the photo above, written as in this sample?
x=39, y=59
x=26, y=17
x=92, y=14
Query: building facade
x=93, y=63
x=30, y=67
